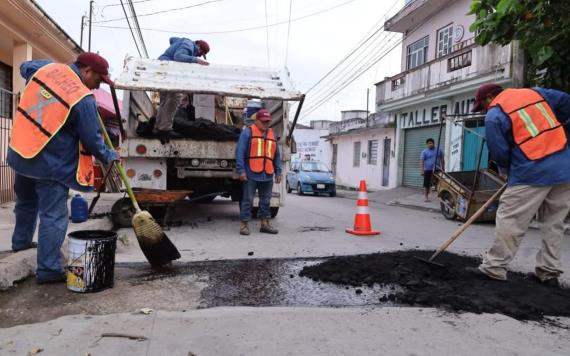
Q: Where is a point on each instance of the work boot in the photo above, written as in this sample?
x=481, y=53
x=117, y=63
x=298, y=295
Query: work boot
x=33, y=244
x=267, y=228
x=244, y=228
x=550, y=282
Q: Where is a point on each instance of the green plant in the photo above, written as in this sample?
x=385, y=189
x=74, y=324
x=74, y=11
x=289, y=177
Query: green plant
x=542, y=28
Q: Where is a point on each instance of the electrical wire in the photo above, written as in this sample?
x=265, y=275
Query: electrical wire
x=288, y=32
x=130, y=28
x=162, y=11
x=236, y=30
x=267, y=35
x=138, y=28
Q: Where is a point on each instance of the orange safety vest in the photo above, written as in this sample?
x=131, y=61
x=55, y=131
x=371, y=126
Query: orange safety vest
x=44, y=108
x=536, y=130
x=262, y=150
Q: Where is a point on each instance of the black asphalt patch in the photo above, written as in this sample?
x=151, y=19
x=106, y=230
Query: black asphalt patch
x=452, y=288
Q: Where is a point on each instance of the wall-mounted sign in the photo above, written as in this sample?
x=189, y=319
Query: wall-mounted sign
x=421, y=117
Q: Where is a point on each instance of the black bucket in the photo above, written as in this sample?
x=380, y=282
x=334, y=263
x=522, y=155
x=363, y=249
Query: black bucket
x=91, y=262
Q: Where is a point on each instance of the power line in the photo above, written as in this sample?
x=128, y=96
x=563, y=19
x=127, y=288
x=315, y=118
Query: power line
x=236, y=30
x=162, y=11
x=138, y=28
x=267, y=34
x=351, y=78
x=288, y=32
x=130, y=28
x=352, y=51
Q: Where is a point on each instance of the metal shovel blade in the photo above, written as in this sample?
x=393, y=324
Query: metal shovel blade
x=429, y=262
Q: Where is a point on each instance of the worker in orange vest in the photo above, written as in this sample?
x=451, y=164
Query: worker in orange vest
x=55, y=133
x=527, y=134
x=258, y=163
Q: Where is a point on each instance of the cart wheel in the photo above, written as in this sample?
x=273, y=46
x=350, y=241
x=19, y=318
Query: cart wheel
x=122, y=212
x=447, y=206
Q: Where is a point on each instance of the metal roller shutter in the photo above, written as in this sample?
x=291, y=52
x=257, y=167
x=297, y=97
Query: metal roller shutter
x=414, y=143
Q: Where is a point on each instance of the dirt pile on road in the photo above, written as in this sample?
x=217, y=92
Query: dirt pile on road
x=451, y=288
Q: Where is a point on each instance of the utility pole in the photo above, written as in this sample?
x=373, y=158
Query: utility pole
x=82, y=26
x=367, y=113
x=90, y=20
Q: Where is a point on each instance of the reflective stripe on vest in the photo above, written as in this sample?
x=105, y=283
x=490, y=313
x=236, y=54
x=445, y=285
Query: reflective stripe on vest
x=46, y=102
x=262, y=151
x=536, y=130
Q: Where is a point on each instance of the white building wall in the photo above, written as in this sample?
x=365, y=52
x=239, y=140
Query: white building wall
x=455, y=13
x=349, y=176
x=309, y=141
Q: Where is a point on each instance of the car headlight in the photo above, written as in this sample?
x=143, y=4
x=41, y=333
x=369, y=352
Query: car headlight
x=306, y=178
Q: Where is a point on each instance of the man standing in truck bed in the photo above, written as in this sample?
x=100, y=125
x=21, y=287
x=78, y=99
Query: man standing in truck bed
x=180, y=50
x=258, y=160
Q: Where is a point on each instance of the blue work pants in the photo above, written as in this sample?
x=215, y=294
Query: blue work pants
x=48, y=200
x=264, y=189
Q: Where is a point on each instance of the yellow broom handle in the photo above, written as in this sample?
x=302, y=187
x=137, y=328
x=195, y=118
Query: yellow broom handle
x=119, y=167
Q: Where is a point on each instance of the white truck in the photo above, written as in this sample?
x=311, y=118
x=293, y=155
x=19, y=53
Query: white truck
x=205, y=167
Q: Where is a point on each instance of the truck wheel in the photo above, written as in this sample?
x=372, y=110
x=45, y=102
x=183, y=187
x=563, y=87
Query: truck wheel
x=122, y=212
x=274, y=211
x=299, y=189
x=447, y=206
x=288, y=187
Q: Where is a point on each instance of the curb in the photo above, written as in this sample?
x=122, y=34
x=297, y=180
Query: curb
x=21, y=265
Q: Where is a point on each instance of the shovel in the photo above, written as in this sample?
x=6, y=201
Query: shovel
x=463, y=227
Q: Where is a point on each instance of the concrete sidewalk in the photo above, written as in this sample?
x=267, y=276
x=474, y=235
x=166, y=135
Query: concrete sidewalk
x=401, y=196
x=287, y=331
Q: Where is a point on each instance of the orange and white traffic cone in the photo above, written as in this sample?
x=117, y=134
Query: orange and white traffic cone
x=362, y=225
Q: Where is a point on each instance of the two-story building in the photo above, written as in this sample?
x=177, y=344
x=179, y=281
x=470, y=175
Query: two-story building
x=441, y=68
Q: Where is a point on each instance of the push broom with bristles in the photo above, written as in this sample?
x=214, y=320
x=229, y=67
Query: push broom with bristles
x=155, y=245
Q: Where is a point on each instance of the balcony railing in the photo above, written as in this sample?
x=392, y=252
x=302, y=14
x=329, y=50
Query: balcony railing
x=466, y=61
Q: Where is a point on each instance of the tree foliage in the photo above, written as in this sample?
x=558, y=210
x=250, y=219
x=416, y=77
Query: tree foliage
x=541, y=26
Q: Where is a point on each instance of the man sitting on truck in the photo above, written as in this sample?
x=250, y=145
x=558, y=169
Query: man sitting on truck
x=258, y=160
x=180, y=50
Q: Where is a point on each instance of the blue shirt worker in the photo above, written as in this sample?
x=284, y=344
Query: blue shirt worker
x=527, y=133
x=428, y=162
x=258, y=163
x=180, y=50
x=55, y=133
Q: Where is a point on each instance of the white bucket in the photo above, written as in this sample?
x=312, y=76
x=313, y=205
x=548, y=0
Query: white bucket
x=91, y=260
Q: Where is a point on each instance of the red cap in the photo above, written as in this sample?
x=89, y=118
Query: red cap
x=204, y=47
x=97, y=63
x=263, y=115
x=483, y=92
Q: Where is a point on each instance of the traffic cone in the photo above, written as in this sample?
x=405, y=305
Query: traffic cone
x=362, y=225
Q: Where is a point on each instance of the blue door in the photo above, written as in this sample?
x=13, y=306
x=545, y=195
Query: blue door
x=471, y=149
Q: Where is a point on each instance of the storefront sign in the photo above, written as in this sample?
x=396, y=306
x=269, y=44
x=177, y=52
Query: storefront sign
x=421, y=117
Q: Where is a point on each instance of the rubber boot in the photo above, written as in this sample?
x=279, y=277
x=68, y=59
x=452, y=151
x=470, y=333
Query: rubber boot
x=244, y=228
x=267, y=228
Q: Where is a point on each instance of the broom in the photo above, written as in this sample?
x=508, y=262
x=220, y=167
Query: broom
x=155, y=245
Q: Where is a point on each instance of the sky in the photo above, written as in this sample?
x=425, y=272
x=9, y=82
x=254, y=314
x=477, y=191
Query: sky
x=321, y=33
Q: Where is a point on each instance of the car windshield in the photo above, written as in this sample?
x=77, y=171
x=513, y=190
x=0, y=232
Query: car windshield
x=313, y=167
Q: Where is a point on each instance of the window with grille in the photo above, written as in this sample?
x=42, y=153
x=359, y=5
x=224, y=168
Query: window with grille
x=356, y=155
x=417, y=53
x=444, y=40
x=372, y=152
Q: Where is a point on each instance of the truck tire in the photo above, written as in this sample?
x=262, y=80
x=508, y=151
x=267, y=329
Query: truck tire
x=122, y=212
x=299, y=189
x=288, y=187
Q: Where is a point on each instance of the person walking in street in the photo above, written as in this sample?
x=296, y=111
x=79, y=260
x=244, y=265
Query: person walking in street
x=258, y=163
x=428, y=162
x=55, y=133
x=180, y=50
x=527, y=133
